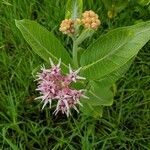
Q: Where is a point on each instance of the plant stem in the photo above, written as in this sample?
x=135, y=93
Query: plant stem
x=75, y=56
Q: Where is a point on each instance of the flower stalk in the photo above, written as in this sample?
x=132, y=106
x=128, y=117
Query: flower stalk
x=71, y=27
x=53, y=85
x=75, y=54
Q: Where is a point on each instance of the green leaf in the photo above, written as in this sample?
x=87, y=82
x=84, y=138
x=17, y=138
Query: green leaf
x=99, y=94
x=113, y=50
x=43, y=42
x=111, y=78
x=74, y=9
x=92, y=111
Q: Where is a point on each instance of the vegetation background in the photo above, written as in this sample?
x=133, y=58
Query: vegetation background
x=23, y=125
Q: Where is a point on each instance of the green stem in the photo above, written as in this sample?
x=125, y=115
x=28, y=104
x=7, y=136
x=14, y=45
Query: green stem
x=75, y=56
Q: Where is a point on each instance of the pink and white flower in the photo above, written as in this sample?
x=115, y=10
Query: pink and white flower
x=53, y=86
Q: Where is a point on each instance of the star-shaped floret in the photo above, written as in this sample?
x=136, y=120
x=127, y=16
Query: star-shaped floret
x=55, y=69
x=73, y=75
x=46, y=86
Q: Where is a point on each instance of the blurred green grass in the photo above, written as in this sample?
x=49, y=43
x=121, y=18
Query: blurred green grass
x=23, y=125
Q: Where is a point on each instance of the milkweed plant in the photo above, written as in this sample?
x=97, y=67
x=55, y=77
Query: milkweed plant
x=82, y=78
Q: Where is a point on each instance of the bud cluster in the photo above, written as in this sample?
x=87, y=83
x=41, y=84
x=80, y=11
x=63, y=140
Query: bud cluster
x=67, y=26
x=54, y=86
x=89, y=20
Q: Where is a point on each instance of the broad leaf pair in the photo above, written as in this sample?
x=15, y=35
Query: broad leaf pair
x=103, y=62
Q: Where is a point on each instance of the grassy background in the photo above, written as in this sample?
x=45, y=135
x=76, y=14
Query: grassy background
x=124, y=126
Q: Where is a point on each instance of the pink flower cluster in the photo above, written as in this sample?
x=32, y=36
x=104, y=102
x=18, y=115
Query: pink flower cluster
x=53, y=86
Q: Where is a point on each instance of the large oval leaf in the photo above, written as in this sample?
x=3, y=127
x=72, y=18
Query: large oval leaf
x=43, y=42
x=114, y=50
x=99, y=94
x=93, y=111
x=111, y=78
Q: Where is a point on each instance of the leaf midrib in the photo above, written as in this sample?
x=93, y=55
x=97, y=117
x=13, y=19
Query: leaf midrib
x=86, y=67
x=39, y=43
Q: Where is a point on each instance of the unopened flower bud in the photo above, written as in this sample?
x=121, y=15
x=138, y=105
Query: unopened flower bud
x=67, y=27
x=90, y=20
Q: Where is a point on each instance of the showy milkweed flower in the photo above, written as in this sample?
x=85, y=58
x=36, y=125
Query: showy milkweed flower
x=54, y=86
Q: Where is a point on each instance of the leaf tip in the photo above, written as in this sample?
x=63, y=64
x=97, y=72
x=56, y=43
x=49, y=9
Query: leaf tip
x=17, y=22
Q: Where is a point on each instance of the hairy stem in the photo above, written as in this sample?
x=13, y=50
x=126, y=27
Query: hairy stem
x=75, y=56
